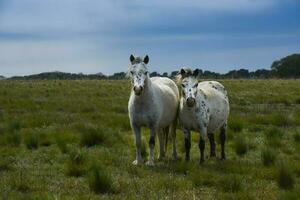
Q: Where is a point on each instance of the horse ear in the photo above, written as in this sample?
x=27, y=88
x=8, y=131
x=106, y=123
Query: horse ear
x=196, y=72
x=182, y=72
x=146, y=59
x=132, y=58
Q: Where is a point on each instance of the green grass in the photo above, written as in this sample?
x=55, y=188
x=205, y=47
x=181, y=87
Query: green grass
x=231, y=183
x=76, y=164
x=32, y=141
x=72, y=140
x=268, y=156
x=13, y=138
x=100, y=180
x=285, y=177
x=297, y=137
x=91, y=136
x=241, y=145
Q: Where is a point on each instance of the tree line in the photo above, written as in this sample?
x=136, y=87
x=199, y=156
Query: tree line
x=287, y=67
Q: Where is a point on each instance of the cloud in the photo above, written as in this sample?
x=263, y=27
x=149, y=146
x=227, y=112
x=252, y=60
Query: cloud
x=209, y=5
x=76, y=16
x=98, y=35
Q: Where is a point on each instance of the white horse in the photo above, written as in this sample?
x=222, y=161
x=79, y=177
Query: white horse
x=204, y=107
x=154, y=103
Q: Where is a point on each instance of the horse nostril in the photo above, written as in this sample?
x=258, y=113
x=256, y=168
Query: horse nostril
x=190, y=101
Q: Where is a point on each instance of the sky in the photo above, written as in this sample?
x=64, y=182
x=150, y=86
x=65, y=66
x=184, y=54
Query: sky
x=99, y=35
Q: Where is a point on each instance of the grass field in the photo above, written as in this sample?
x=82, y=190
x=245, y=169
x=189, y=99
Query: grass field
x=72, y=140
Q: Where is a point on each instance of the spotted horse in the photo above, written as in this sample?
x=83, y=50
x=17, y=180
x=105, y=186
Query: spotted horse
x=204, y=107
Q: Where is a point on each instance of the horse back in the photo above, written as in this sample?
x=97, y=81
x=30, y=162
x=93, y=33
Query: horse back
x=166, y=85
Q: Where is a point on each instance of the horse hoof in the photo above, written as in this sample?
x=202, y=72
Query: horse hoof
x=137, y=162
x=150, y=163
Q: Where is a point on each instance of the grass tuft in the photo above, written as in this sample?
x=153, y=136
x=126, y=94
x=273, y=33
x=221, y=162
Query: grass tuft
x=290, y=195
x=62, y=145
x=13, y=138
x=241, y=145
x=91, y=136
x=203, y=179
x=236, y=125
x=182, y=167
x=4, y=164
x=100, y=180
x=32, y=141
x=285, y=178
x=76, y=165
x=14, y=126
x=21, y=182
x=268, y=157
x=231, y=183
x=274, y=132
x=274, y=136
x=296, y=137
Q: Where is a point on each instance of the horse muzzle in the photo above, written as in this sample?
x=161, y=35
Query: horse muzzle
x=190, y=102
x=138, y=90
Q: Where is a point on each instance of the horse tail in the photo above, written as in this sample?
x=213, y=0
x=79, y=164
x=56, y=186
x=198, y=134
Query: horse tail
x=166, y=134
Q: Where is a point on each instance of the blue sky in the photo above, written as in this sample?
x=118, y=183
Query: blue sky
x=99, y=35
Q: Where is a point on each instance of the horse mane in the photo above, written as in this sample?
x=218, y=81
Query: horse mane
x=179, y=77
x=137, y=60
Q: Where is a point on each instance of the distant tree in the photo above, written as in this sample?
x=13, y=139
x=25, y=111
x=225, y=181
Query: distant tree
x=173, y=74
x=165, y=74
x=241, y=73
x=118, y=76
x=209, y=74
x=287, y=67
x=262, y=73
x=153, y=74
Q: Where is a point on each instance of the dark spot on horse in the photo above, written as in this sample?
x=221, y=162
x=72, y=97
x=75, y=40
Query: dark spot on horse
x=208, y=110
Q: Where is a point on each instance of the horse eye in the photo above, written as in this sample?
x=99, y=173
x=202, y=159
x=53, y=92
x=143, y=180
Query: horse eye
x=182, y=85
x=131, y=72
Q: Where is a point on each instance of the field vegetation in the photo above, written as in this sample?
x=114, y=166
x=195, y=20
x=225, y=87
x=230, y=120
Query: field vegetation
x=72, y=140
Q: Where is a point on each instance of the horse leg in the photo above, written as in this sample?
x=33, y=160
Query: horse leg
x=212, y=145
x=187, y=143
x=223, y=138
x=161, y=154
x=202, y=143
x=151, y=147
x=173, y=132
x=138, y=144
